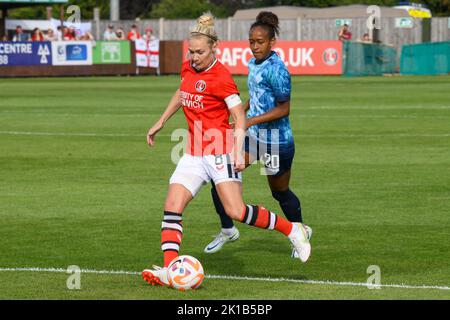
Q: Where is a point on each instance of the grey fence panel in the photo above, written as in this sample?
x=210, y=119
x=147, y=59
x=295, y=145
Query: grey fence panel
x=126, y=26
x=288, y=29
x=291, y=29
x=221, y=29
x=239, y=29
x=397, y=37
x=440, y=29
x=318, y=29
x=177, y=29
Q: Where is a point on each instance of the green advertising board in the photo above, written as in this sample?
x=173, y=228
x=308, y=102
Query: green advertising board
x=111, y=52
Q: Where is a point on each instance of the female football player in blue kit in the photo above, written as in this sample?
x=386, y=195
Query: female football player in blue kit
x=269, y=135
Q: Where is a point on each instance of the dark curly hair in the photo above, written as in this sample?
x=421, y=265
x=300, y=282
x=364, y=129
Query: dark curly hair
x=268, y=21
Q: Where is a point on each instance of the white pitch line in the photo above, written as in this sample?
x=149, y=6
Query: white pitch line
x=241, y=278
x=378, y=108
x=61, y=270
x=327, y=282
x=350, y=135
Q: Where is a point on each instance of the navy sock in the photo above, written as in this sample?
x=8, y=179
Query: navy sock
x=225, y=220
x=290, y=204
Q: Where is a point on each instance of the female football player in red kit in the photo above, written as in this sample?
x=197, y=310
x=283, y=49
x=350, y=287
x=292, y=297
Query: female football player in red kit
x=208, y=95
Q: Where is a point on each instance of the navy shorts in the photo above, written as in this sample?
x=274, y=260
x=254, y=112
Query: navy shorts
x=277, y=159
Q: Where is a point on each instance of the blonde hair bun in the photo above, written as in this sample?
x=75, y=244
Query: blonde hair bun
x=205, y=26
x=206, y=20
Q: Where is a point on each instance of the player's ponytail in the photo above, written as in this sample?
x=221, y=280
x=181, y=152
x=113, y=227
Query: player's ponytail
x=269, y=21
x=205, y=27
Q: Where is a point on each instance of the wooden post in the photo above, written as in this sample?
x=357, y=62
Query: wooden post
x=97, y=23
x=61, y=18
x=49, y=13
x=114, y=10
x=375, y=33
x=4, y=13
x=426, y=30
x=161, y=28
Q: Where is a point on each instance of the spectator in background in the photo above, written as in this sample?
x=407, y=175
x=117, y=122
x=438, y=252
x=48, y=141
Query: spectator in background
x=5, y=38
x=148, y=35
x=120, y=34
x=87, y=36
x=69, y=34
x=51, y=36
x=344, y=33
x=65, y=33
x=109, y=34
x=133, y=34
x=19, y=35
x=365, y=38
x=78, y=33
x=59, y=34
x=37, y=35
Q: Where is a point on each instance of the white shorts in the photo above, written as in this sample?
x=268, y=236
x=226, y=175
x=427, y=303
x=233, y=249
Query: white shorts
x=193, y=172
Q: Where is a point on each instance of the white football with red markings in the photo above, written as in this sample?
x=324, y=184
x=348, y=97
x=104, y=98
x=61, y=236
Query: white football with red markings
x=185, y=273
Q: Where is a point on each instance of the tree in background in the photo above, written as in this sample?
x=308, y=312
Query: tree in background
x=130, y=10
x=40, y=12
x=331, y=3
x=186, y=9
x=190, y=9
x=438, y=7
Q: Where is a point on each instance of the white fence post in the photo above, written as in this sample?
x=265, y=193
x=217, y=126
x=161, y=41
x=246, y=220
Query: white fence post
x=299, y=29
x=161, y=28
x=114, y=10
x=97, y=23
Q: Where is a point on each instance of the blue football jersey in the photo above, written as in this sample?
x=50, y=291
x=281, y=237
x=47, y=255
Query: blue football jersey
x=269, y=82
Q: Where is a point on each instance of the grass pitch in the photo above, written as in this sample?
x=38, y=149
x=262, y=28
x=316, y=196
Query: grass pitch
x=79, y=186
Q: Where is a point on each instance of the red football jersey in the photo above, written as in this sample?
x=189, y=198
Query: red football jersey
x=202, y=97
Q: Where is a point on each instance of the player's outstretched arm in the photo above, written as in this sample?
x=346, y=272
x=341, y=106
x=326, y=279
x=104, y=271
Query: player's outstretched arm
x=172, y=107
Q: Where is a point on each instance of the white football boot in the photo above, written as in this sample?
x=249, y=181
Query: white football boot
x=300, y=242
x=309, y=233
x=156, y=276
x=220, y=240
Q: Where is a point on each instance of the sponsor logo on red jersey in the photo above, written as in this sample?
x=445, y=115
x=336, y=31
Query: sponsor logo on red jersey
x=200, y=85
x=191, y=100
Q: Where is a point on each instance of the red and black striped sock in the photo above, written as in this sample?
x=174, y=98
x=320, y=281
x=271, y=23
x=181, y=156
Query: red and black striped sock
x=260, y=217
x=171, y=235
